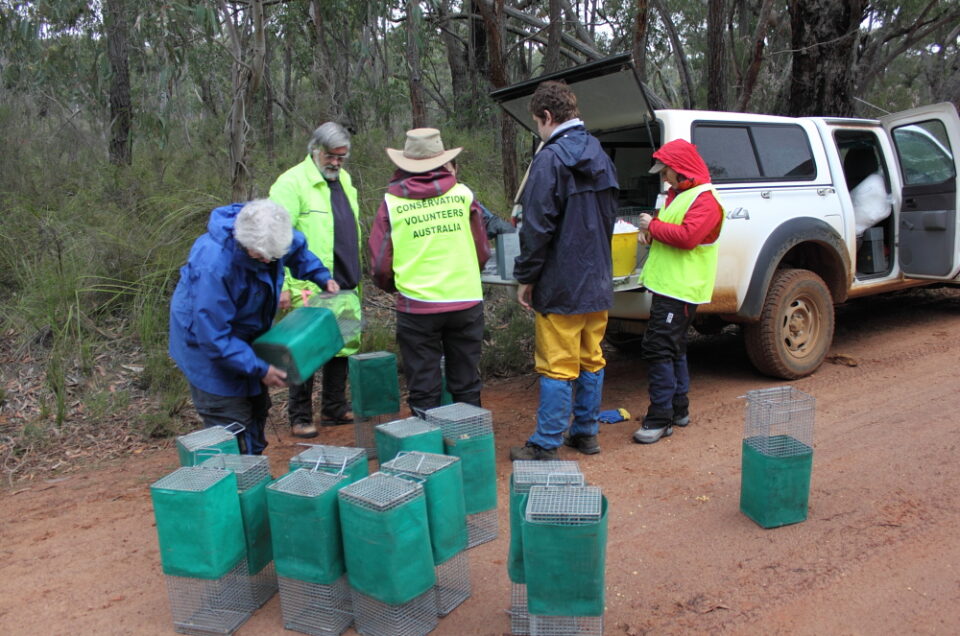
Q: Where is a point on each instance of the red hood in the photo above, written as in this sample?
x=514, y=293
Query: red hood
x=682, y=156
x=421, y=185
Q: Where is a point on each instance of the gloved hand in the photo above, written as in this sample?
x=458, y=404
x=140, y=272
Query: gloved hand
x=613, y=415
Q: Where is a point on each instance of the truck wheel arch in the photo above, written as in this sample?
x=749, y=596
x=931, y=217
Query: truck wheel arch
x=802, y=243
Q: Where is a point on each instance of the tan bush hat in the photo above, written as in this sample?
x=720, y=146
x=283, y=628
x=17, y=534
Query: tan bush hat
x=422, y=152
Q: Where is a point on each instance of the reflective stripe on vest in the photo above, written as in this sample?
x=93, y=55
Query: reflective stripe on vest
x=687, y=275
x=434, y=256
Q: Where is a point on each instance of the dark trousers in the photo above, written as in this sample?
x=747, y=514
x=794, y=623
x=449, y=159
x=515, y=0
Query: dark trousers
x=455, y=335
x=249, y=411
x=665, y=350
x=333, y=402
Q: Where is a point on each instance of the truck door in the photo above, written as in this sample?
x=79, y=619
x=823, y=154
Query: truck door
x=927, y=141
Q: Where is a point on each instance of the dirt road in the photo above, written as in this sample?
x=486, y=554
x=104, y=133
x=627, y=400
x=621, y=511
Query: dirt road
x=878, y=554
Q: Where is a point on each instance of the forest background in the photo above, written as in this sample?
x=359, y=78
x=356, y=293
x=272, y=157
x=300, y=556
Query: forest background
x=124, y=122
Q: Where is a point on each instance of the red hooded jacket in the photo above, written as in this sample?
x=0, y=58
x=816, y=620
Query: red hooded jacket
x=703, y=220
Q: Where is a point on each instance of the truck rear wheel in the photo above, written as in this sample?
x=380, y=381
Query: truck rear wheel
x=795, y=329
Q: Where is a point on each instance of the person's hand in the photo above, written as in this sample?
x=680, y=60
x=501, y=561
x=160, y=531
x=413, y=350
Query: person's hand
x=525, y=295
x=644, y=238
x=644, y=221
x=285, y=299
x=275, y=377
x=332, y=286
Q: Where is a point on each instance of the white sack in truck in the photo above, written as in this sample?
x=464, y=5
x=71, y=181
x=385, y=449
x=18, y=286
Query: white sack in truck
x=871, y=203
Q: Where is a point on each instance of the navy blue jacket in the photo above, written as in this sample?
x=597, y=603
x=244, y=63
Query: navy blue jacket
x=569, y=209
x=224, y=301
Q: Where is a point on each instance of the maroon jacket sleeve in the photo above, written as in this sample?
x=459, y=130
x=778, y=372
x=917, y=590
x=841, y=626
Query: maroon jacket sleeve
x=380, y=247
x=701, y=224
x=479, y=231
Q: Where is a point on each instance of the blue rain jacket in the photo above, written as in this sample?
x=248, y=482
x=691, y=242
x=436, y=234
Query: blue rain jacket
x=224, y=301
x=569, y=209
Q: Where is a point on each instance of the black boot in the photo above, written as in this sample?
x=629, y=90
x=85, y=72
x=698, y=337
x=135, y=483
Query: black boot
x=681, y=410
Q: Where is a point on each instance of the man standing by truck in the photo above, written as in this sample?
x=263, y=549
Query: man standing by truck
x=680, y=272
x=565, y=272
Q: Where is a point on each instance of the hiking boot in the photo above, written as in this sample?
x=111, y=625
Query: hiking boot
x=586, y=444
x=344, y=418
x=532, y=452
x=304, y=429
x=644, y=435
x=681, y=410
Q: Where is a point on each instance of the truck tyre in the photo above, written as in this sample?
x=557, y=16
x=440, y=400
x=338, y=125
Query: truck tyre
x=796, y=326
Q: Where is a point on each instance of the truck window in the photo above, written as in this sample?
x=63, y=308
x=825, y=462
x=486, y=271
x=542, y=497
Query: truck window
x=924, y=151
x=754, y=152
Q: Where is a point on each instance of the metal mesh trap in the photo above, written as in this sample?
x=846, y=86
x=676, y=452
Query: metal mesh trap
x=407, y=427
x=217, y=606
x=314, y=608
x=481, y=527
x=249, y=469
x=331, y=459
x=779, y=421
x=527, y=473
x=453, y=583
x=380, y=491
x=305, y=483
x=564, y=505
x=566, y=625
x=519, y=617
x=214, y=437
x=416, y=617
x=461, y=421
x=365, y=432
x=417, y=463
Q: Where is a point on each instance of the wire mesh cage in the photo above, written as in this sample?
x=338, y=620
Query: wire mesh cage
x=481, y=527
x=461, y=421
x=345, y=306
x=365, y=432
x=249, y=469
x=346, y=460
x=453, y=574
x=779, y=421
x=777, y=456
x=315, y=608
x=407, y=434
x=413, y=618
x=377, y=506
x=541, y=625
x=453, y=583
x=305, y=550
x=528, y=473
x=210, y=606
x=564, y=505
x=251, y=472
x=219, y=438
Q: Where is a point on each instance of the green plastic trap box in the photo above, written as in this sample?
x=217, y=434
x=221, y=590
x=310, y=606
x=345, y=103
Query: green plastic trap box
x=301, y=343
x=195, y=447
x=374, y=385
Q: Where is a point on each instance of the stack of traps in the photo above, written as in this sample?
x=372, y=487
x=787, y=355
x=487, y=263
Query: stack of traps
x=309, y=500
x=388, y=556
x=525, y=475
x=341, y=460
x=565, y=506
x=204, y=563
x=252, y=471
x=468, y=433
x=446, y=515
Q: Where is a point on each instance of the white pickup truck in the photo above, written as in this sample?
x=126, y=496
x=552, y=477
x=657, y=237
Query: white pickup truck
x=789, y=249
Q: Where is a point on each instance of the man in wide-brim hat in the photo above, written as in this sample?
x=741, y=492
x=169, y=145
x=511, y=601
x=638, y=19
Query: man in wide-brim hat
x=428, y=244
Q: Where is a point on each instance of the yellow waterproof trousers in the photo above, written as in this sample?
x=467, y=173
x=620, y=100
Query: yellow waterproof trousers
x=567, y=344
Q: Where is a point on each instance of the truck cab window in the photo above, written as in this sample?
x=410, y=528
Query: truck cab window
x=754, y=152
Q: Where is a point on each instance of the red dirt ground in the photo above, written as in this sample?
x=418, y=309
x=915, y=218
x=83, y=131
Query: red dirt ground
x=878, y=554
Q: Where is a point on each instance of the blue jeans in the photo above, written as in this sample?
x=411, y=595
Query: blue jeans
x=250, y=411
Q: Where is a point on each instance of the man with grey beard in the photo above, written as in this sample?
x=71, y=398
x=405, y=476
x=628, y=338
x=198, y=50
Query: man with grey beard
x=320, y=197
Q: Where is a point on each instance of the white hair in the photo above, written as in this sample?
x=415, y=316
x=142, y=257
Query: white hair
x=328, y=136
x=264, y=227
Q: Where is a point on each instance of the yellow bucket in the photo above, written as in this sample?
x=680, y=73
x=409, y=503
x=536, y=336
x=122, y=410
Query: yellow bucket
x=623, y=249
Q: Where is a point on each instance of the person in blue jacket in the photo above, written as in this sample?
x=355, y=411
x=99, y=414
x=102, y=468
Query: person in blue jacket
x=227, y=296
x=565, y=272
